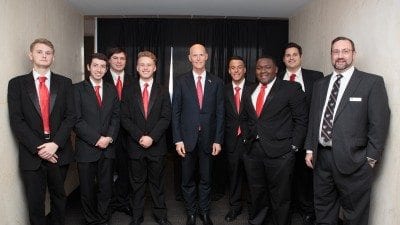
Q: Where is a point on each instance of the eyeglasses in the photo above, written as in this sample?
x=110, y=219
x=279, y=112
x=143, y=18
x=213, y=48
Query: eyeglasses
x=343, y=51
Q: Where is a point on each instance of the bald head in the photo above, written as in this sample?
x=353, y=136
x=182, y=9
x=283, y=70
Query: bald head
x=198, y=57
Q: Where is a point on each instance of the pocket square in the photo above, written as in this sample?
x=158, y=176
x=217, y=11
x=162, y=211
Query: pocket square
x=355, y=99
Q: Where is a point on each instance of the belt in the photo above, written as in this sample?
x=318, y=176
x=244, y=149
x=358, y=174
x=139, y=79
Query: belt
x=324, y=147
x=46, y=136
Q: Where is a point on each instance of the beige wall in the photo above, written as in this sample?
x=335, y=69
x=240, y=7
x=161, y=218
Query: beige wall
x=374, y=26
x=21, y=21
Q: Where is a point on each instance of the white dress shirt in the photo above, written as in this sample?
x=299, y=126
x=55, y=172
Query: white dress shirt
x=36, y=76
x=101, y=87
x=298, y=78
x=203, y=79
x=257, y=91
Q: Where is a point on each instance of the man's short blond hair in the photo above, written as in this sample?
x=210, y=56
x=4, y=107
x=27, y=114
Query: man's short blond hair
x=42, y=41
x=147, y=54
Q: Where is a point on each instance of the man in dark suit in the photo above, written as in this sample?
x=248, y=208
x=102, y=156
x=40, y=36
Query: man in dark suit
x=277, y=121
x=302, y=186
x=235, y=143
x=97, y=109
x=349, y=120
x=41, y=110
x=146, y=114
x=116, y=76
x=197, y=125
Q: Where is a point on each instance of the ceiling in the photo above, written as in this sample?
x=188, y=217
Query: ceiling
x=189, y=8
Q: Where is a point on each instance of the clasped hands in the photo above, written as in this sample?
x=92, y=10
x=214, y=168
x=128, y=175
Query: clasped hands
x=47, y=151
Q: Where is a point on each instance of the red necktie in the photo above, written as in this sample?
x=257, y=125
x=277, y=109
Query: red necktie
x=237, y=103
x=119, y=87
x=292, y=78
x=97, y=90
x=260, y=100
x=44, y=104
x=145, y=98
x=199, y=90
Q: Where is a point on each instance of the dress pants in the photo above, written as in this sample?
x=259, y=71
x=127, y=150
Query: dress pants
x=122, y=188
x=334, y=190
x=269, y=184
x=203, y=160
x=302, y=188
x=151, y=170
x=35, y=182
x=96, y=189
x=237, y=176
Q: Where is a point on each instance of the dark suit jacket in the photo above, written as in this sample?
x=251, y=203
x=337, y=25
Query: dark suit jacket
x=187, y=116
x=309, y=77
x=94, y=121
x=361, y=121
x=233, y=119
x=283, y=119
x=128, y=80
x=133, y=120
x=26, y=121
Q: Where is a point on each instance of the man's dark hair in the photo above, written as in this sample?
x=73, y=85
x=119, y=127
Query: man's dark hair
x=267, y=57
x=343, y=39
x=100, y=56
x=293, y=45
x=116, y=50
x=236, y=57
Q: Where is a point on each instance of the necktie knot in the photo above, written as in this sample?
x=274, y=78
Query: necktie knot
x=339, y=76
x=145, y=85
x=97, y=88
x=237, y=88
x=263, y=86
x=42, y=79
x=292, y=77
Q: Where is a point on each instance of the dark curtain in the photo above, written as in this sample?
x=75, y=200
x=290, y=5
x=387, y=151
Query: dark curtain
x=222, y=38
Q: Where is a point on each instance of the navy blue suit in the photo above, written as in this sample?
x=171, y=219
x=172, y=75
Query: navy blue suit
x=198, y=129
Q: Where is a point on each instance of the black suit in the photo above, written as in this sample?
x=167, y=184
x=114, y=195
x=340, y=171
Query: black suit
x=122, y=187
x=147, y=164
x=269, y=164
x=198, y=129
x=26, y=123
x=235, y=146
x=95, y=164
x=302, y=187
x=342, y=175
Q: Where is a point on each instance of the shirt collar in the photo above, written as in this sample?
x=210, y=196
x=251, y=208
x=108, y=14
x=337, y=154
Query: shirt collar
x=115, y=75
x=203, y=75
x=150, y=82
x=36, y=75
x=241, y=84
x=346, y=74
x=94, y=84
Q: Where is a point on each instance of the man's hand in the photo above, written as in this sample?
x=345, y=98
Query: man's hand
x=309, y=160
x=53, y=159
x=146, y=141
x=47, y=150
x=103, y=142
x=180, y=148
x=216, y=149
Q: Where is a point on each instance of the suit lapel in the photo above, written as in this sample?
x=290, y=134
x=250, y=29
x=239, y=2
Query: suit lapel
x=138, y=96
x=30, y=87
x=350, y=89
x=153, y=96
x=231, y=97
x=91, y=93
x=54, y=85
x=191, y=86
x=306, y=80
x=275, y=88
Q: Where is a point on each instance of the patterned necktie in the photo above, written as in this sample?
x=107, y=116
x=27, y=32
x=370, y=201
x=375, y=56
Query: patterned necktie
x=97, y=91
x=327, y=123
x=199, y=90
x=119, y=87
x=44, y=104
x=237, y=104
x=145, y=98
x=260, y=100
x=292, y=78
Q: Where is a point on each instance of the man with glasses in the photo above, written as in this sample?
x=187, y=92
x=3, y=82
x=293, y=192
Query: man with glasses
x=349, y=120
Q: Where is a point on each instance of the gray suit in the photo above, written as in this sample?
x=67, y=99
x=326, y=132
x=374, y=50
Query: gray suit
x=342, y=174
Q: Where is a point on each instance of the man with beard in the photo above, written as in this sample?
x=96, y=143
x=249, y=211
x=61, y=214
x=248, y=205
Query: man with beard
x=349, y=120
x=277, y=122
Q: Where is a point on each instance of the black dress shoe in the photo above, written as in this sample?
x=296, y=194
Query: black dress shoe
x=136, y=221
x=231, y=216
x=127, y=210
x=191, y=220
x=206, y=219
x=163, y=221
x=308, y=220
